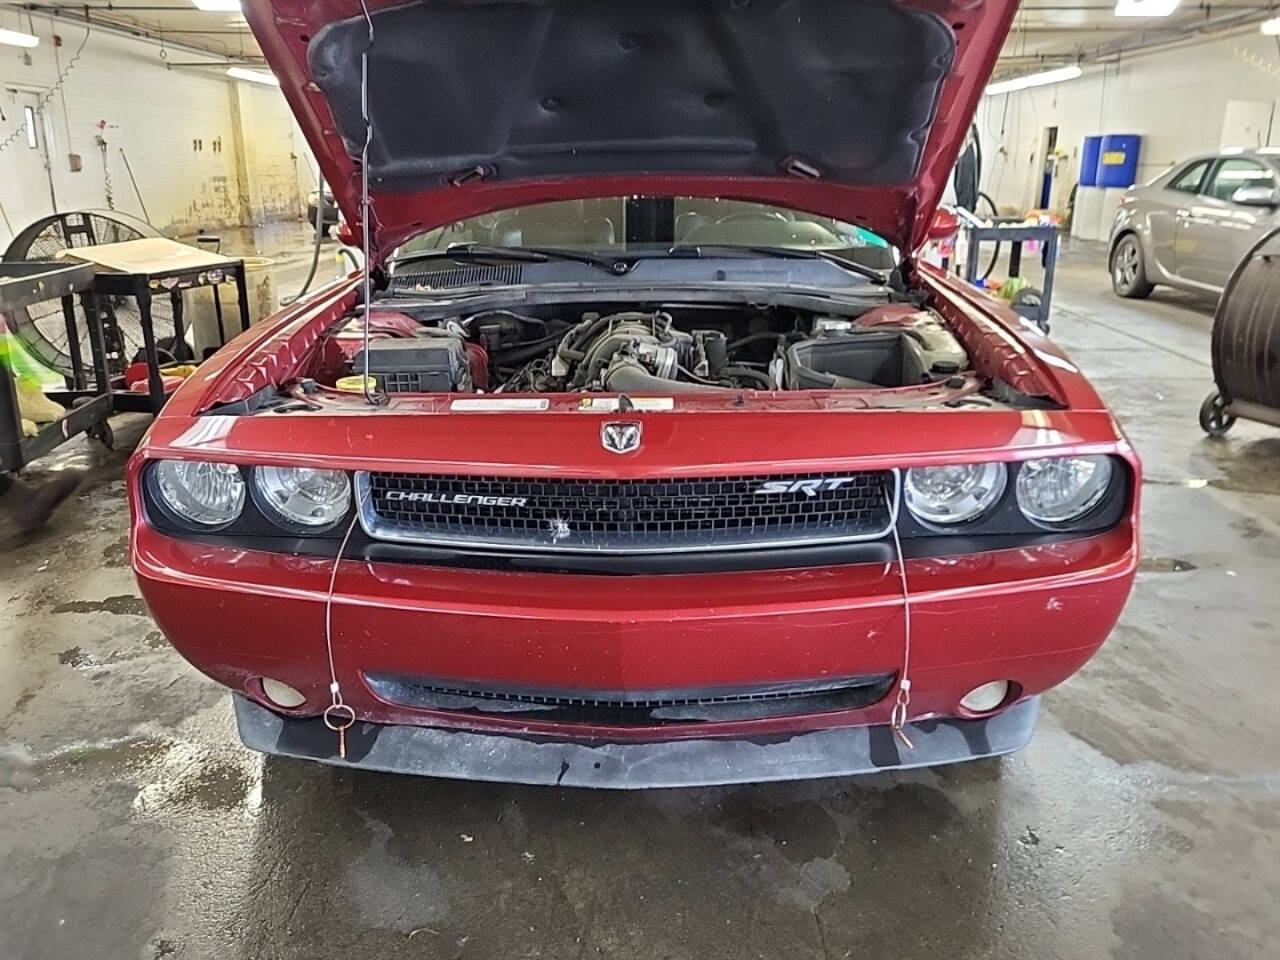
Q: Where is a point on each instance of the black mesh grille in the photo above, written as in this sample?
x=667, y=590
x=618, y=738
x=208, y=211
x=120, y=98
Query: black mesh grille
x=497, y=274
x=625, y=708
x=628, y=515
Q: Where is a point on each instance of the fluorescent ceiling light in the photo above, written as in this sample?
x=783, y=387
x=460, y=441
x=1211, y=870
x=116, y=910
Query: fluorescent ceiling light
x=1034, y=80
x=217, y=6
x=15, y=38
x=1270, y=27
x=1145, y=8
x=253, y=76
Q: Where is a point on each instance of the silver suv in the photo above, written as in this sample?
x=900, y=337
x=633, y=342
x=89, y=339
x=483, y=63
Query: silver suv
x=1189, y=227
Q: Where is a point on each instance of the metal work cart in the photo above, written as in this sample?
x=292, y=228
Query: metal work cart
x=155, y=267
x=26, y=284
x=1031, y=303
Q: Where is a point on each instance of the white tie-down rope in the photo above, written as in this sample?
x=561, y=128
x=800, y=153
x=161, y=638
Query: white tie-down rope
x=338, y=715
x=898, y=718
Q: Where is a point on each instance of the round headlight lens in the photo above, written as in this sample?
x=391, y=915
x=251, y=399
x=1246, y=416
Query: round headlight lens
x=199, y=492
x=1062, y=489
x=954, y=493
x=304, y=496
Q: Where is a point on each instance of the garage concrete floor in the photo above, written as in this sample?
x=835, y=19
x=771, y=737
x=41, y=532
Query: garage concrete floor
x=1143, y=821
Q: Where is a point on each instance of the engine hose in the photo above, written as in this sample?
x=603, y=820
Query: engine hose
x=746, y=373
x=527, y=351
x=581, y=334
x=630, y=377
x=735, y=345
x=315, y=250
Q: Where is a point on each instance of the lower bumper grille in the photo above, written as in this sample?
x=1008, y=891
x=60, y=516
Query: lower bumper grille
x=643, y=708
x=627, y=516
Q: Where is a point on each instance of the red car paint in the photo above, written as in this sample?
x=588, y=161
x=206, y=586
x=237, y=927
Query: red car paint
x=1032, y=615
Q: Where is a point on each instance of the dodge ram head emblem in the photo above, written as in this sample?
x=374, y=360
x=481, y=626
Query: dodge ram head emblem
x=620, y=436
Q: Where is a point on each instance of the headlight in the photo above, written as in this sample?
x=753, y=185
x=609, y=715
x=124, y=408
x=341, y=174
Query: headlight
x=313, y=198
x=1061, y=489
x=954, y=493
x=304, y=496
x=199, y=492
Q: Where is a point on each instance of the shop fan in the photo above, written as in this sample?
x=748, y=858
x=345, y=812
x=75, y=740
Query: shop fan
x=42, y=330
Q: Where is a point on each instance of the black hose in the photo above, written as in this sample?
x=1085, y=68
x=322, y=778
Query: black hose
x=630, y=377
x=315, y=250
x=746, y=373
x=977, y=154
x=525, y=351
x=750, y=338
x=967, y=178
x=534, y=321
x=995, y=254
x=351, y=257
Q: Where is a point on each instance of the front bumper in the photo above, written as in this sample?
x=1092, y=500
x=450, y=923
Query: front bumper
x=1032, y=616
x=466, y=755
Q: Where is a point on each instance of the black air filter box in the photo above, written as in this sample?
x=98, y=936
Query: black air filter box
x=879, y=358
x=425, y=364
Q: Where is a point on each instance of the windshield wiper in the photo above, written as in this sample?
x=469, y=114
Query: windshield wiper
x=728, y=249
x=478, y=251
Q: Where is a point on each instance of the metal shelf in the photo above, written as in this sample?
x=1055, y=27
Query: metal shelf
x=23, y=284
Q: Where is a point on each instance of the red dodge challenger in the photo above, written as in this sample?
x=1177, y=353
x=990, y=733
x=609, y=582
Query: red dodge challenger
x=643, y=452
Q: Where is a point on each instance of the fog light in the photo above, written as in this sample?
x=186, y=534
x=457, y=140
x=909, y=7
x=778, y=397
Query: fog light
x=987, y=697
x=281, y=694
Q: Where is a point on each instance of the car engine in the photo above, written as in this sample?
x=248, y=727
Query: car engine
x=663, y=350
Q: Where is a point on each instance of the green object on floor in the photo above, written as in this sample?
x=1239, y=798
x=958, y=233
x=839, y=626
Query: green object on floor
x=1010, y=288
x=26, y=368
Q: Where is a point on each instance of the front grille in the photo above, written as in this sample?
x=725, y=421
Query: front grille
x=634, y=708
x=626, y=516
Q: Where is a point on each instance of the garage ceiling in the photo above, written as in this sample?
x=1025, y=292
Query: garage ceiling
x=1049, y=32
x=1053, y=32
x=178, y=24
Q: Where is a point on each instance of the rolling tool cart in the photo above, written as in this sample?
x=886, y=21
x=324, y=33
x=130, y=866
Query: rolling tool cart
x=1030, y=302
x=152, y=268
x=1246, y=343
x=23, y=285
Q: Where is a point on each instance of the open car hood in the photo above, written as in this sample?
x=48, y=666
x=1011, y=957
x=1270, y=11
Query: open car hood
x=854, y=109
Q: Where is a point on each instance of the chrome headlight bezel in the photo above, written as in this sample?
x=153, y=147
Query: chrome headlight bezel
x=981, y=493
x=166, y=483
x=270, y=482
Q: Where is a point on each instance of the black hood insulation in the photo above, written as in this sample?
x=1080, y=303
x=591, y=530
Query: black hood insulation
x=844, y=90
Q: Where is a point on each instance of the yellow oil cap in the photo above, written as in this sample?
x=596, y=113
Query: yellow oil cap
x=355, y=384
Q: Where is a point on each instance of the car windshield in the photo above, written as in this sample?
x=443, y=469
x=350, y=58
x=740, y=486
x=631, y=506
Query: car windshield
x=650, y=226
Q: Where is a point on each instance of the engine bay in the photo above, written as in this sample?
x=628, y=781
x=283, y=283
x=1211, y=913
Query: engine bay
x=662, y=349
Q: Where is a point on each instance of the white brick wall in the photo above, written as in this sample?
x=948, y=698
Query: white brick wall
x=1176, y=100
x=276, y=155
x=175, y=124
